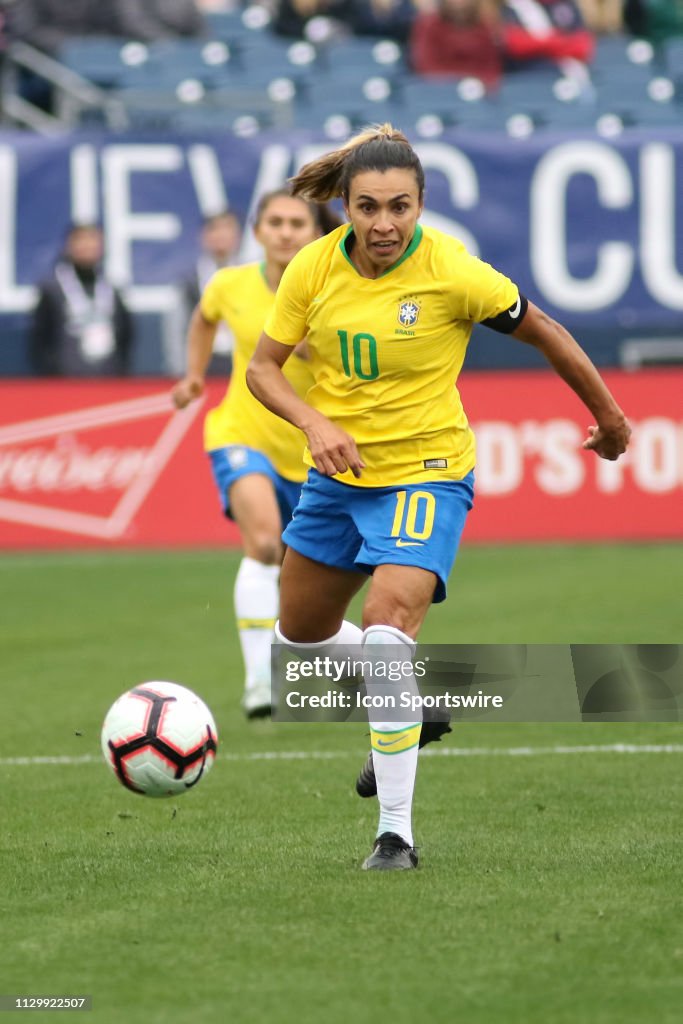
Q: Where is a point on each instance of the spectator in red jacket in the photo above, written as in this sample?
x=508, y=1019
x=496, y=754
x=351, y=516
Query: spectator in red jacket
x=546, y=30
x=461, y=38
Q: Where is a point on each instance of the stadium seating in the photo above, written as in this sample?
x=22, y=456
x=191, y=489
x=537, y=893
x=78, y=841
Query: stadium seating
x=226, y=25
x=672, y=58
x=363, y=58
x=105, y=61
x=245, y=71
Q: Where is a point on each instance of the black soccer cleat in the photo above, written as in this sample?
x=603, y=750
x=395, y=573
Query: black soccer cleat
x=391, y=853
x=366, y=784
x=431, y=732
x=262, y=711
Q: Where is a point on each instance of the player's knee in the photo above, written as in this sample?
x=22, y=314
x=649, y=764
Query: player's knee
x=389, y=609
x=265, y=547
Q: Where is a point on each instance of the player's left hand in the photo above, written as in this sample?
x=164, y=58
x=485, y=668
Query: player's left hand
x=609, y=442
x=332, y=449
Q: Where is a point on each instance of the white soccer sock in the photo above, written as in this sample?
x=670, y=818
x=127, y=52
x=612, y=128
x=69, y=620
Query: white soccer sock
x=256, y=607
x=395, y=765
x=349, y=636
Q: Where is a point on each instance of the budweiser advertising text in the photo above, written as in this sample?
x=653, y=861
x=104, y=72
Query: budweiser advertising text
x=111, y=464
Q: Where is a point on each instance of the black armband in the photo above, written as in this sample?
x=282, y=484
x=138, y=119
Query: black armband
x=510, y=319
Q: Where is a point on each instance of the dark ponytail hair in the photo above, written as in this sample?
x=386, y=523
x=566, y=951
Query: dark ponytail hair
x=378, y=148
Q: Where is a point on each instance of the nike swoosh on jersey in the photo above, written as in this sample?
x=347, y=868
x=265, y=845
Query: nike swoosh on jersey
x=380, y=743
x=516, y=309
x=409, y=544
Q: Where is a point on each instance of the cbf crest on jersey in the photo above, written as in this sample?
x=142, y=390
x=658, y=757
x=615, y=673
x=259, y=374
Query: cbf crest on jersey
x=408, y=311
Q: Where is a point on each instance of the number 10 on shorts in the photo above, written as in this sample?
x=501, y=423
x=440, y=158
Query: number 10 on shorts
x=414, y=515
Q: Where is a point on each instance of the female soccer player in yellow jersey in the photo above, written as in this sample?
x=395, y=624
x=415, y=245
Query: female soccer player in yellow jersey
x=387, y=308
x=257, y=459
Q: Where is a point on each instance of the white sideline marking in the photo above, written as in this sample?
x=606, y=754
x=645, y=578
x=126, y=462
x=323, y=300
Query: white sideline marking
x=331, y=755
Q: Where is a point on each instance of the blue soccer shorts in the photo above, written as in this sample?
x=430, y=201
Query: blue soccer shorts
x=235, y=461
x=359, y=528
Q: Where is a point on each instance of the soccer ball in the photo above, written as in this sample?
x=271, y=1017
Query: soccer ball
x=159, y=739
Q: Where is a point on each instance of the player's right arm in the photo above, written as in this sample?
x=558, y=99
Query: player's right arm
x=492, y=299
x=200, y=339
x=610, y=438
x=332, y=449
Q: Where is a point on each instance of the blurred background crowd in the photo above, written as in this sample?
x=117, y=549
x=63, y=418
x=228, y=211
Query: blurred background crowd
x=329, y=66
x=441, y=34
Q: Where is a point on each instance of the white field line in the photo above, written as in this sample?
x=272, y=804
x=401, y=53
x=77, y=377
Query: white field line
x=331, y=755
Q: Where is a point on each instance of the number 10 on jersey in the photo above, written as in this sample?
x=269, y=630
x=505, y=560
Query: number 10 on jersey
x=362, y=353
x=417, y=519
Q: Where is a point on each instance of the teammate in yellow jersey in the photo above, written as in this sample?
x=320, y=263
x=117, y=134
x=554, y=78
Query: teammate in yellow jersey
x=256, y=458
x=387, y=309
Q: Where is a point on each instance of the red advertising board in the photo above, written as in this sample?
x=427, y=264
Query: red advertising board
x=107, y=464
x=535, y=482
x=104, y=464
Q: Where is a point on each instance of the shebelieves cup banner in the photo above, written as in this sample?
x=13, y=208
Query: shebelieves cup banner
x=112, y=464
x=105, y=464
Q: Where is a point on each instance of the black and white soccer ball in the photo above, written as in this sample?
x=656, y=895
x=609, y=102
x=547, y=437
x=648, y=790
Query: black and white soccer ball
x=159, y=739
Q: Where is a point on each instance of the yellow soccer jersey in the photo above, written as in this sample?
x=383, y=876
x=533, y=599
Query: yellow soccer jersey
x=241, y=297
x=386, y=353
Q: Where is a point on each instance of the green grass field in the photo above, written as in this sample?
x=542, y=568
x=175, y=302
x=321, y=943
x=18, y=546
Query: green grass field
x=549, y=886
